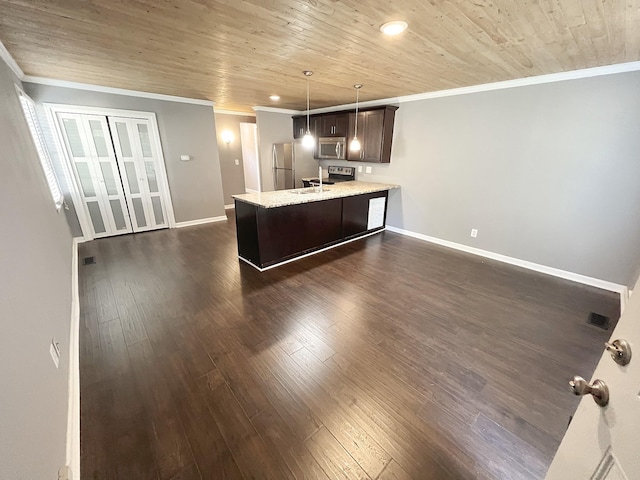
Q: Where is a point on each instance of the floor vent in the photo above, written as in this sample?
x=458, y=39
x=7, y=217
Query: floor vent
x=88, y=260
x=598, y=320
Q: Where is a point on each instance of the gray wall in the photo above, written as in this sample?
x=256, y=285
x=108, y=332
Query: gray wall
x=232, y=174
x=35, y=304
x=547, y=173
x=272, y=128
x=196, y=186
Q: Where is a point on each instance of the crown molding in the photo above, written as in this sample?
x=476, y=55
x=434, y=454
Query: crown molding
x=487, y=87
x=351, y=106
x=115, y=91
x=524, y=82
x=277, y=110
x=10, y=61
x=221, y=111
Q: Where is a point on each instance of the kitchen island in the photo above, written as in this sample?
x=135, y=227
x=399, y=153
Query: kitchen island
x=277, y=227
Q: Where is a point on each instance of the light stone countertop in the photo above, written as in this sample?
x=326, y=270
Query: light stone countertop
x=281, y=198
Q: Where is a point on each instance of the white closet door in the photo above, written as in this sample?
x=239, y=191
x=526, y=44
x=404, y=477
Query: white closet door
x=139, y=162
x=89, y=146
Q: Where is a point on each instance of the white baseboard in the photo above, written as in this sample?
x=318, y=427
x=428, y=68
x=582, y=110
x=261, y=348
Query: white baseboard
x=576, y=277
x=73, y=413
x=201, y=221
x=230, y=206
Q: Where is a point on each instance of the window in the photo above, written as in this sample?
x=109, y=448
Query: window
x=29, y=109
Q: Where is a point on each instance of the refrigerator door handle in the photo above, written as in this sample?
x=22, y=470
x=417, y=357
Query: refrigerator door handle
x=293, y=165
x=273, y=156
x=275, y=172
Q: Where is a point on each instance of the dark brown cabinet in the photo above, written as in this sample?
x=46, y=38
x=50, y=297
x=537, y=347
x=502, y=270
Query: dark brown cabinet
x=355, y=214
x=299, y=126
x=375, y=132
x=267, y=236
x=333, y=125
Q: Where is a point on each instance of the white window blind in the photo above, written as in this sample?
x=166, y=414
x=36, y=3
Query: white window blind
x=29, y=110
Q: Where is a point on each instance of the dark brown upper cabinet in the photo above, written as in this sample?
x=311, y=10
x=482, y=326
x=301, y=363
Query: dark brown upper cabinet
x=299, y=126
x=375, y=132
x=333, y=125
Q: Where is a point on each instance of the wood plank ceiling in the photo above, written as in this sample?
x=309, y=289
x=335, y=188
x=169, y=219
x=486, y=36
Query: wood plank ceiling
x=238, y=52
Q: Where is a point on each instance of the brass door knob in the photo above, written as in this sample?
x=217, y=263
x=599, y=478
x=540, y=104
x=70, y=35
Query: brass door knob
x=620, y=351
x=598, y=389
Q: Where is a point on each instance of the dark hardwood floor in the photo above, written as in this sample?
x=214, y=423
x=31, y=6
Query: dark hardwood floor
x=387, y=358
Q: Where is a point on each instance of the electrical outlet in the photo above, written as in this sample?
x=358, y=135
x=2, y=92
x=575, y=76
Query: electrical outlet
x=359, y=168
x=237, y=162
x=474, y=232
x=369, y=169
x=185, y=158
x=54, y=350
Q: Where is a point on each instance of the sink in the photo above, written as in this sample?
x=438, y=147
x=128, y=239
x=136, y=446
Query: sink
x=306, y=191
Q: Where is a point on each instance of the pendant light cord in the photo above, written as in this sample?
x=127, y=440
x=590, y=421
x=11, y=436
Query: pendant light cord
x=308, y=104
x=357, y=98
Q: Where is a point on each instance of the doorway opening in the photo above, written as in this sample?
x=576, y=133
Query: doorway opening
x=250, y=159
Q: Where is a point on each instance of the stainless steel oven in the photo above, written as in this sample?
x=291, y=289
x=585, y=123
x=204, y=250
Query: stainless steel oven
x=332, y=147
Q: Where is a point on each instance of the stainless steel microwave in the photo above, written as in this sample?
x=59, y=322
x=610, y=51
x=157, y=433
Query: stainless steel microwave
x=332, y=147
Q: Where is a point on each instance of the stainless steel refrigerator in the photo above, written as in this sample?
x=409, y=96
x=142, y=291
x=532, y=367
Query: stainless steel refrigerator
x=291, y=162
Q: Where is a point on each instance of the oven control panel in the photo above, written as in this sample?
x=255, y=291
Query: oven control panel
x=342, y=171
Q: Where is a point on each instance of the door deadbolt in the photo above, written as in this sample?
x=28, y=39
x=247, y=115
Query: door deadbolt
x=598, y=389
x=620, y=351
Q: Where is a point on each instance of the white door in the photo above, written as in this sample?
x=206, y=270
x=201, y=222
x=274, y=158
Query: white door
x=139, y=162
x=251, y=166
x=602, y=443
x=93, y=160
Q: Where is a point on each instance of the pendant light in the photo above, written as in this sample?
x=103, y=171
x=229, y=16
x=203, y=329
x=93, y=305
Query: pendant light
x=308, y=141
x=354, y=146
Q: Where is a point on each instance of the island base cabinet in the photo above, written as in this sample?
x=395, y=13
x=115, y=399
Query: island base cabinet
x=355, y=213
x=247, y=232
x=285, y=232
x=268, y=236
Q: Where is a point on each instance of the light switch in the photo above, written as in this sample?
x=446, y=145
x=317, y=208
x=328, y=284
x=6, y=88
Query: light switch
x=359, y=168
x=369, y=169
x=185, y=158
x=237, y=162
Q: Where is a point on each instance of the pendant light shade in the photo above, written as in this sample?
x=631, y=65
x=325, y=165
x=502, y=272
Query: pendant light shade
x=354, y=146
x=308, y=141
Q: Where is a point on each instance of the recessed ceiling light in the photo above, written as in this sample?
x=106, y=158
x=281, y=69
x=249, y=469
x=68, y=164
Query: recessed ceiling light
x=394, y=28
x=275, y=98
